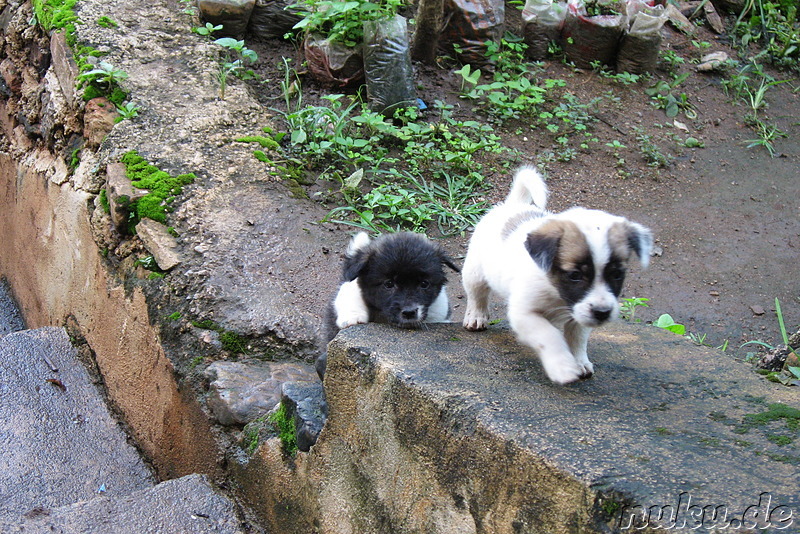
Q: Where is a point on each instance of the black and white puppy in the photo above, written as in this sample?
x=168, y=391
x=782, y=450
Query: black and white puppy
x=396, y=279
x=559, y=274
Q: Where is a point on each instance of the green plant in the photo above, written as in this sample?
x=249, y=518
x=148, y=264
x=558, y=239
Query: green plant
x=208, y=29
x=627, y=308
x=188, y=7
x=469, y=76
x=513, y=92
x=283, y=420
x=666, y=322
x=651, y=152
x=342, y=21
x=598, y=8
x=774, y=23
x=672, y=61
x=671, y=103
x=148, y=262
x=236, y=58
x=128, y=111
x=103, y=80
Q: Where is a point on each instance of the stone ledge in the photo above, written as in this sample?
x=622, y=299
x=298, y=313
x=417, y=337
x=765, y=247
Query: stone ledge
x=449, y=431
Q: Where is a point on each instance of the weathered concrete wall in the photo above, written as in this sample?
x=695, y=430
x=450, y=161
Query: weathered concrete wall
x=49, y=253
x=49, y=256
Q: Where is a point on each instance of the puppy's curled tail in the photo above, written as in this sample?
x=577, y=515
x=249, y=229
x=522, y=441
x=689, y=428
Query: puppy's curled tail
x=528, y=188
x=360, y=241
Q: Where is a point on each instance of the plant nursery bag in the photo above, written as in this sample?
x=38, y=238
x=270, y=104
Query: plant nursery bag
x=233, y=15
x=333, y=64
x=593, y=38
x=387, y=64
x=542, y=21
x=271, y=19
x=641, y=44
x=468, y=24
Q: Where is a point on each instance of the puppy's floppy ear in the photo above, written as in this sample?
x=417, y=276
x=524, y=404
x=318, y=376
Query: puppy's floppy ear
x=542, y=244
x=355, y=264
x=640, y=240
x=447, y=260
x=626, y=237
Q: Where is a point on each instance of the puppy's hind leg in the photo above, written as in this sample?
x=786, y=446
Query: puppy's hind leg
x=477, y=313
x=578, y=338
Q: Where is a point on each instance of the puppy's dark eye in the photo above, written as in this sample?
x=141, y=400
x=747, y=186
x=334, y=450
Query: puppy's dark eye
x=575, y=276
x=424, y=284
x=617, y=274
x=389, y=284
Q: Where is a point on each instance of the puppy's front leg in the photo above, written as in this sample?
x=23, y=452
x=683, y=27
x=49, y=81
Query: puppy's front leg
x=350, y=306
x=548, y=341
x=578, y=339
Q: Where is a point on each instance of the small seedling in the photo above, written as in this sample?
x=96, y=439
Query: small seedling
x=666, y=322
x=627, y=309
x=128, y=111
x=208, y=29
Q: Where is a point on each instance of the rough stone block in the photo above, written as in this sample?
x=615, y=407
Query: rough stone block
x=64, y=66
x=307, y=401
x=241, y=392
x=444, y=430
x=98, y=120
x=120, y=194
x=160, y=243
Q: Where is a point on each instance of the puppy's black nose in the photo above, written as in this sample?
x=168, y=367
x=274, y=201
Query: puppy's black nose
x=601, y=314
x=409, y=314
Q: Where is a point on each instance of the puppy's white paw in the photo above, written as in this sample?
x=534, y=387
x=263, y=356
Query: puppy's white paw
x=350, y=320
x=564, y=373
x=475, y=321
x=587, y=369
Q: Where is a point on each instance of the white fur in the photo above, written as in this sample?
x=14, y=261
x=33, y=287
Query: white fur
x=350, y=306
x=536, y=312
x=439, y=311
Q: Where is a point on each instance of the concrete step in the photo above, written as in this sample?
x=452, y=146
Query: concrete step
x=58, y=442
x=664, y=435
x=66, y=465
x=184, y=505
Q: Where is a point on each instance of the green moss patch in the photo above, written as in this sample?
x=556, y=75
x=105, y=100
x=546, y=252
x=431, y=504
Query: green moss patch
x=283, y=420
x=57, y=15
x=162, y=187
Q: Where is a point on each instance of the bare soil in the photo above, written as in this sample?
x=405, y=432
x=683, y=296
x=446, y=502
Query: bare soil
x=725, y=216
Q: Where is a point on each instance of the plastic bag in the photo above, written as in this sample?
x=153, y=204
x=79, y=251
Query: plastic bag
x=271, y=19
x=333, y=64
x=468, y=24
x=233, y=15
x=387, y=64
x=542, y=21
x=639, y=48
x=593, y=38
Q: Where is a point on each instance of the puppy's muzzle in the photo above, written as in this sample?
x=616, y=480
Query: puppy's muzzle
x=601, y=315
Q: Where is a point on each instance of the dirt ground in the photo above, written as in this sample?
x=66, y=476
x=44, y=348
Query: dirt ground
x=725, y=216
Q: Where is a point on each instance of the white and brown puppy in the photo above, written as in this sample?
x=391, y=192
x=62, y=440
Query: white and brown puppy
x=396, y=279
x=559, y=274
